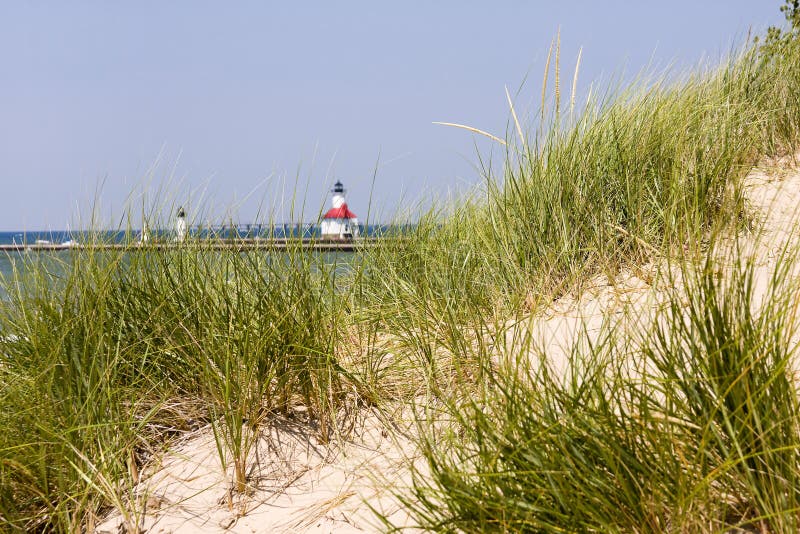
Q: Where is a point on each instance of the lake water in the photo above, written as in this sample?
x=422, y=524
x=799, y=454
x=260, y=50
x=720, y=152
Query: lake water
x=19, y=261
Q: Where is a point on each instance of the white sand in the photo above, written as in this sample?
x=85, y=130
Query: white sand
x=297, y=484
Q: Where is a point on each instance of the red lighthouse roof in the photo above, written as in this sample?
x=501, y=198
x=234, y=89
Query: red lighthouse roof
x=342, y=212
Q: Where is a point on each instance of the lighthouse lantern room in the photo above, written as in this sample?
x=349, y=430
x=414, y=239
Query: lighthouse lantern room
x=339, y=222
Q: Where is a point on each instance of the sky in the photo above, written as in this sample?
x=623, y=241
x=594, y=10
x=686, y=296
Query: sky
x=246, y=110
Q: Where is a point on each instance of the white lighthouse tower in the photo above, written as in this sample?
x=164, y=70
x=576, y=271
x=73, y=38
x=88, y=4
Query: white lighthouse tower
x=339, y=222
x=180, y=226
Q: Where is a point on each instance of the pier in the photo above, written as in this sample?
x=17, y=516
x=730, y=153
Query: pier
x=240, y=244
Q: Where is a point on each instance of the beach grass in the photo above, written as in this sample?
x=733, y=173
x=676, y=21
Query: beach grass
x=688, y=423
x=114, y=351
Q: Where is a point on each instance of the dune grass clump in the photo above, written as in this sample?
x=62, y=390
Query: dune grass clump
x=260, y=341
x=648, y=171
x=651, y=167
x=688, y=425
x=108, y=353
x=703, y=435
x=74, y=412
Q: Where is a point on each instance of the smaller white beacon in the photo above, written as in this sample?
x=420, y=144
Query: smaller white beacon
x=180, y=226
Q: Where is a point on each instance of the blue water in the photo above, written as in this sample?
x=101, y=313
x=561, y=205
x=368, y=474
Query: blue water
x=9, y=238
x=11, y=260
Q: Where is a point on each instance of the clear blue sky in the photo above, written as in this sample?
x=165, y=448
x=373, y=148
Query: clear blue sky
x=227, y=98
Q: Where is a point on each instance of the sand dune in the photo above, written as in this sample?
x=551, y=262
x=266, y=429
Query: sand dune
x=300, y=485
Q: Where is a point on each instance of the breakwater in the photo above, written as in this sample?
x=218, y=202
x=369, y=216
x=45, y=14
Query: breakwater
x=278, y=244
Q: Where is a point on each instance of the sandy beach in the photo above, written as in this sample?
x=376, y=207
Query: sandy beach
x=297, y=484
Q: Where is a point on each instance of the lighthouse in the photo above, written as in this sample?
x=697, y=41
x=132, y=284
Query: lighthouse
x=180, y=226
x=339, y=222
